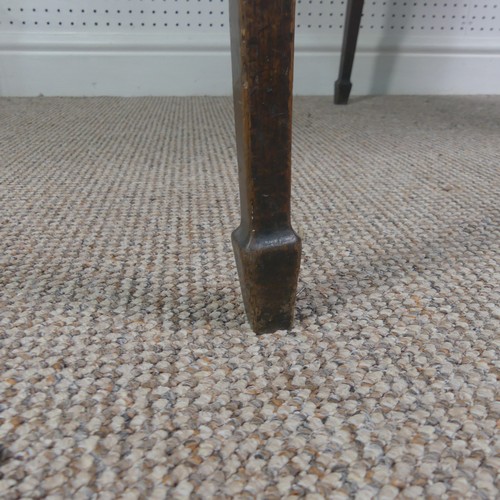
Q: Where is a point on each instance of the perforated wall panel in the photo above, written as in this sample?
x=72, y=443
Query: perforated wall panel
x=313, y=16
x=181, y=47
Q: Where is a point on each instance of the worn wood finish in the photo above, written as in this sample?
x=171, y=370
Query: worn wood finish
x=266, y=248
x=343, y=85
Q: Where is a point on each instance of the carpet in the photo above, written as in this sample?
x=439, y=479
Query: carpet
x=127, y=367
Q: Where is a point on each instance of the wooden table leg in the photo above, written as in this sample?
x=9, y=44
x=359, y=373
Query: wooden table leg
x=351, y=30
x=266, y=248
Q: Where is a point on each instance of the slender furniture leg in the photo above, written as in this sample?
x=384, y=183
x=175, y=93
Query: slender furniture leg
x=351, y=29
x=266, y=248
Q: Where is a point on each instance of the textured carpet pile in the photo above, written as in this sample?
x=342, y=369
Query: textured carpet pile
x=127, y=368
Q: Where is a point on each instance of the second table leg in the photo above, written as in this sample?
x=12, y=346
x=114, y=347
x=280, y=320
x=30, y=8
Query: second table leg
x=351, y=30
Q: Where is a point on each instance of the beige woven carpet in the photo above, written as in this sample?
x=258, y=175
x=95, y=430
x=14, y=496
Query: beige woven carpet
x=127, y=368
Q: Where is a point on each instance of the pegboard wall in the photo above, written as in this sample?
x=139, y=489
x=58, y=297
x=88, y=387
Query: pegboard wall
x=181, y=47
x=313, y=16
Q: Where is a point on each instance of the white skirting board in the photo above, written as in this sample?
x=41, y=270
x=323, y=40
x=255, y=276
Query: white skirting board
x=198, y=64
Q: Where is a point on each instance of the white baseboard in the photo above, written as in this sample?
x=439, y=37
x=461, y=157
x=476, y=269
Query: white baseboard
x=135, y=65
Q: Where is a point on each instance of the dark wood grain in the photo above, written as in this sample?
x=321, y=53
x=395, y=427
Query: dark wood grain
x=266, y=248
x=343, y=84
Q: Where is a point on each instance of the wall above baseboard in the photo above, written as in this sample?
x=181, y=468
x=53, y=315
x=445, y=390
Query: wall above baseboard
x=62, y=64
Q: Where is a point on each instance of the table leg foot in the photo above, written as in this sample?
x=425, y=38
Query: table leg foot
x=268, y=268
x=342, y=92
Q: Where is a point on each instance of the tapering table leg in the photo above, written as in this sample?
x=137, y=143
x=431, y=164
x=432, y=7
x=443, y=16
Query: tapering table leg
x=266, y=248
x=351, y=30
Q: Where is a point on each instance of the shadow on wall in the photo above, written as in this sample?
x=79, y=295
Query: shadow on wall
x=388, y=48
